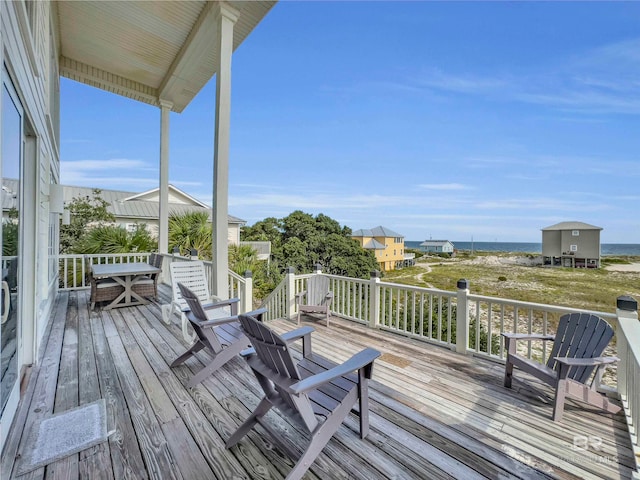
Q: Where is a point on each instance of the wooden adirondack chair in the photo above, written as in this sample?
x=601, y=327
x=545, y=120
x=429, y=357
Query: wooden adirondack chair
x=193, y=276
x=222, y=336
x=315, y=393
x=316, y=298
x=580, y=340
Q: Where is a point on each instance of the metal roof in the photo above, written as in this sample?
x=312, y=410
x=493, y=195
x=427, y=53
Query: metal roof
x=373, y=244
x=378, y=231
x=142, y=210
x=435, y=243
x=120, y=205
x=572, y=226
x=148, y=51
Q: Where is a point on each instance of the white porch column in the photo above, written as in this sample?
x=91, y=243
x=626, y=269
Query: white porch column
x=227, y=17
x=163, y=212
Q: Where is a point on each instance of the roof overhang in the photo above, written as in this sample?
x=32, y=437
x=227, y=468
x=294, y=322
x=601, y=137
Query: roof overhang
x=148, y=51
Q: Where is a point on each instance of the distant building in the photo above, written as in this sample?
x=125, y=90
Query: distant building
x=437, y=246
x=571, y=244
x=387, y=245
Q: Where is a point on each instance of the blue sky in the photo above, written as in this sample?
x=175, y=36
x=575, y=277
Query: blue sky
x=434, y=119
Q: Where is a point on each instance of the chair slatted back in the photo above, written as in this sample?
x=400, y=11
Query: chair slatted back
x=275, y=355
x=197, y=312
x=155, y=260
x=580, y=335
x=317, y=289
x=193, y=276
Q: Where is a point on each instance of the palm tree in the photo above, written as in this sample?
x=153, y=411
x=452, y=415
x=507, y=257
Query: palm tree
x=242, y=258
x=114, y=239
x=189, y=231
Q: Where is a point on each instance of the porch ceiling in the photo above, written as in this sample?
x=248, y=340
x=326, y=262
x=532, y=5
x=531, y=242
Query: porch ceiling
x=145, y=50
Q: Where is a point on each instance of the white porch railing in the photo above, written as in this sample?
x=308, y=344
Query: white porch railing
x=469, y=323
x=628, y=337
x=73, y=270
x=73, y=274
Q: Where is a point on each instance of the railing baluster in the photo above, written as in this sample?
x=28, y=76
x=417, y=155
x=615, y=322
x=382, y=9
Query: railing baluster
x=529, y=331
x=490, y=328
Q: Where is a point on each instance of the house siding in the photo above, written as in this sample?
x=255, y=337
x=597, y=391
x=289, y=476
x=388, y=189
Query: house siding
x=28, y=55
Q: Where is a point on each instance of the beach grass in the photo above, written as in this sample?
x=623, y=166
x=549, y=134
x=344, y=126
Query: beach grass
x=591, y=289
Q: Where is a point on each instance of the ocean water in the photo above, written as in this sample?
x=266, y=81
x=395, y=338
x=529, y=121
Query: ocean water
x=606, y=248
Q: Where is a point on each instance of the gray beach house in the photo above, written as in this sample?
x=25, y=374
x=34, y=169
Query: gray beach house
x=571, y=244
x=437, y=246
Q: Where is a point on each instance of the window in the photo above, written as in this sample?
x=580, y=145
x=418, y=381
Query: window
x=573, y=248
x=575, y=233
x=11, y=154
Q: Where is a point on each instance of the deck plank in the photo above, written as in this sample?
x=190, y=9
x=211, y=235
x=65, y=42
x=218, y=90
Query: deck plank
x=126, y=457
x=433, y=413
x=95, y=462
x=67, y=389
x=153, y=444
x=42, y=402
x=225, y=412
x=190, y=427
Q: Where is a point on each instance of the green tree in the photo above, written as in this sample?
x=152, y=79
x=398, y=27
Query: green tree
x=268, y=230
x=191, y=230
x=301, y=240
x=85, y=211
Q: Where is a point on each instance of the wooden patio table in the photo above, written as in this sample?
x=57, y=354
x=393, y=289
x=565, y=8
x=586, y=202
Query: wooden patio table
x=127, y=275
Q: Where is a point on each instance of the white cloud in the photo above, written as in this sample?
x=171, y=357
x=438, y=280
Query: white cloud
x=107, y=164
x=460, y=83
x=132, y=174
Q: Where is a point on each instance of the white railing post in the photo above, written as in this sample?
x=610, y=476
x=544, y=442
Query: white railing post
x=462, y=316
x=290, y=285
x=247, y=294
x=374, y=299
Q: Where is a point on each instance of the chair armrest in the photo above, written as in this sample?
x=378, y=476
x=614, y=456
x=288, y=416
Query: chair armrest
x=297, y=334
x=212, y=305
x=232, y=318
x=221, y=303
x=586, y=362
x=358, y=361
x=528, y=336
x=288, y=337
x=301, y=294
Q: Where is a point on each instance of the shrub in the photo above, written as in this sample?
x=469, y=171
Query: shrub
x=447, y=317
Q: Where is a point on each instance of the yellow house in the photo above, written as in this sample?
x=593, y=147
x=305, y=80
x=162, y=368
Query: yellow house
x=387, y=245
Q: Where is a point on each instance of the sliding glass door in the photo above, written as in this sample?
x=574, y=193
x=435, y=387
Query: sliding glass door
x=11, y=168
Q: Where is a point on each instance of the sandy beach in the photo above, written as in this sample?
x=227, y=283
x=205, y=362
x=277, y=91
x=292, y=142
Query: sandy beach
x=631, y=267
x=528, y=261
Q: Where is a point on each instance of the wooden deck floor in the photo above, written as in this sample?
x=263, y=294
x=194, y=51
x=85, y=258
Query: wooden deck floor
x=434, y=414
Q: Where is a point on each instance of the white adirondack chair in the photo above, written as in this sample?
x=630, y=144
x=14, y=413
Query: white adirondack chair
x=193, y=276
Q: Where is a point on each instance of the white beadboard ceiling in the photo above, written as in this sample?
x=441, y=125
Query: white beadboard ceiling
x=147, y=50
